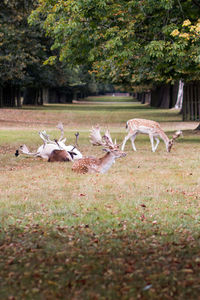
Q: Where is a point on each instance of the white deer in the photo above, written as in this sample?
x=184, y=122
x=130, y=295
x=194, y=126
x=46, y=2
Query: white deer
x=45, y=150
x=99, y=165
x=153, y=129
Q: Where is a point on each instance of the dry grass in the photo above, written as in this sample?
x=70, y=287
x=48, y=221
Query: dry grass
x=132, y=233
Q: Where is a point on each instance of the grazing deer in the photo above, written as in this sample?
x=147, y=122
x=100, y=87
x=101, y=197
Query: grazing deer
x=46, y=150
x=153, y=129
x=99, y=165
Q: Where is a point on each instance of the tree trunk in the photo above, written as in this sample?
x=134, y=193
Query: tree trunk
x=179, y=102
x=164, y=101
x=75, y=95
x=198, y=127
x=41, y=97
x=163, y=96
x=142, y=98
x=8, y=97
x=191, y=101
x=147, y=98
x=19, y=103
x=1, y=97
x=160, y=97
x=31, y=96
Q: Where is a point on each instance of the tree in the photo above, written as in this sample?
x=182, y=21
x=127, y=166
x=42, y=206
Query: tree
x=186, y=47
x=21, y=50
x=22, y=54
x=129, y=42
x=189, y=35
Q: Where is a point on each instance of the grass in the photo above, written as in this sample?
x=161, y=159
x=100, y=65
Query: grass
x=132, y=233
x=73, y=115
x=109, y=99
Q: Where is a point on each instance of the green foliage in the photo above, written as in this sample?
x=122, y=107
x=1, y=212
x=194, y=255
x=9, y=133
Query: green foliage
x=186, y=47
x=25, y=51
x=21, y=46
x=128, y=42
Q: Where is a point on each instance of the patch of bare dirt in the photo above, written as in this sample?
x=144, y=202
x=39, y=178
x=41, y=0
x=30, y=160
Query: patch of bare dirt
x=178, y=125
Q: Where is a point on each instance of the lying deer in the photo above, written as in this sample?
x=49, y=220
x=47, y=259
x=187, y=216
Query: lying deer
x=47, y=150
x=99, y=165
x=153, y=129
x=61, y=155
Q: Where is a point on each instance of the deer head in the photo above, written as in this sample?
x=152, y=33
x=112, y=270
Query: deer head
x=176, y=135
x=102, y=164
x=106, y=142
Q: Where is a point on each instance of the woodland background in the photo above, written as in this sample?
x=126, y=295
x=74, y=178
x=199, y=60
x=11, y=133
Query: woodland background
x=57, y=51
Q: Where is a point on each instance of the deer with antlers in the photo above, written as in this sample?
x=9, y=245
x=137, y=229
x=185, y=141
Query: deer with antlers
x=102, y=164
x=53, y=150
x=153, y=129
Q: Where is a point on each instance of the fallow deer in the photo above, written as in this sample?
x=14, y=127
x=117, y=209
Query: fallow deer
x=102, y=164
x=60, y=155
x=45, y=150
x=153, y=129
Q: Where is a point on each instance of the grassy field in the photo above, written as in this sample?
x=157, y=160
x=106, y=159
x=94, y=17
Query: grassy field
x=108, y=98
x=132, y=233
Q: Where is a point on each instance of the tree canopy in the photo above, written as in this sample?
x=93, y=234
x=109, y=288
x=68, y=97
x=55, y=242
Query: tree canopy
x=130, y=42
x=23, y=51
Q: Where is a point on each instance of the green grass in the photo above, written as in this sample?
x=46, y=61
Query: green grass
x=132, y=233
x=85, y=115
x=110, y=99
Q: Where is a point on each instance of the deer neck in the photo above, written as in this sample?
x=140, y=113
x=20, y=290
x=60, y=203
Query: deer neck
x=106, y=162
x=165, y=138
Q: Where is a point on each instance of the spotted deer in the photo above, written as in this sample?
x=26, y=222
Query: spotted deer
x=102, y=164
x=153, y=129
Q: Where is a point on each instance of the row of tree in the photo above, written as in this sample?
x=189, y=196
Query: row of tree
x=23, y=73
x=133, y=42
x=69, y=46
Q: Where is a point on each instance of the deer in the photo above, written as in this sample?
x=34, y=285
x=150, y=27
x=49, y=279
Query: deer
x=61, y=155
x=53, y=150
x=153, y=129
x=102, y=164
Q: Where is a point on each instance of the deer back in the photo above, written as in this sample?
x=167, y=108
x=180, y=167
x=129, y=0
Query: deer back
x=86, y=165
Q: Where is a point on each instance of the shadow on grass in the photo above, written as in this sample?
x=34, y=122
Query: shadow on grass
x=78, y=263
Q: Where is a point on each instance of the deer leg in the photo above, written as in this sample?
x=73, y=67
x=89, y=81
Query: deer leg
x=24, y=149
x=129, y=135
x=152, y=143
x=157, y=142
x=132, y=141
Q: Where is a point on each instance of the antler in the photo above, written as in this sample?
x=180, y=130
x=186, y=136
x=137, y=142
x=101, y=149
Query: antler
x=76, y=142
x=108, y=138
x=97, y=140
x=95, y=136
x=60, y=126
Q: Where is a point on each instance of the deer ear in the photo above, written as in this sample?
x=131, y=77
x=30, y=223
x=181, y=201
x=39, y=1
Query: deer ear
x=72, y=154
x=17, y=153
